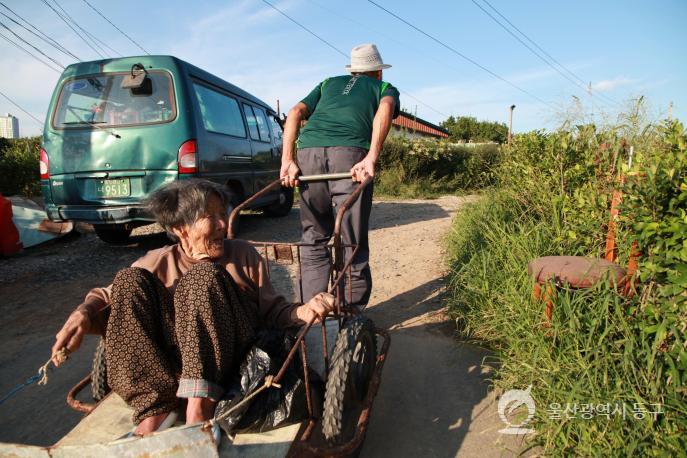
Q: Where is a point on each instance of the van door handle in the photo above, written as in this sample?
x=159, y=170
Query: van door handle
x=229, y=157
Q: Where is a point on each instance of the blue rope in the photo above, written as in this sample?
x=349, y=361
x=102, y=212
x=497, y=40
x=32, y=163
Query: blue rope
x=18, y=388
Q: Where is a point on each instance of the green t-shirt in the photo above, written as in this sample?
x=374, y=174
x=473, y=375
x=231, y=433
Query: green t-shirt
x=342, y=109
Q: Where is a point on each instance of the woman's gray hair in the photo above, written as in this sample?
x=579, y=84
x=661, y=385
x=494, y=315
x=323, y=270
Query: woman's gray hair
x=183, y=202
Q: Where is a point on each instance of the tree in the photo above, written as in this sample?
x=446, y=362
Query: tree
x=468, y=128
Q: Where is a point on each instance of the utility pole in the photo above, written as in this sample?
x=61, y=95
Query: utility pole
x=670, y=110
x=591, y=99
x=510, y=125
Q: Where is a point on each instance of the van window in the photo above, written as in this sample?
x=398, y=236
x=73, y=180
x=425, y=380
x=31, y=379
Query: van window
x=100, y=99
x=252, y=122
x=276, y=128
x=220, y=112
x=262, y=124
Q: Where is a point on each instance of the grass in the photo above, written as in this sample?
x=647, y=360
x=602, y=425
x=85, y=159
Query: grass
x=602, y=349
x=428, y=168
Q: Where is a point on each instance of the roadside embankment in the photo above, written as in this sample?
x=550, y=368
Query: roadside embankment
x=608, y=372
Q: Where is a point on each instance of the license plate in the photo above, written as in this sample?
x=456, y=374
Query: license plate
x=113, y=188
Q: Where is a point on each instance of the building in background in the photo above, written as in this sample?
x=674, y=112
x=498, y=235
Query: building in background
x=412, y=126
x=9, y=126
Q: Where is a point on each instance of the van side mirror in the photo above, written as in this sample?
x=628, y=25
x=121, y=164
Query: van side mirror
x=138, y=82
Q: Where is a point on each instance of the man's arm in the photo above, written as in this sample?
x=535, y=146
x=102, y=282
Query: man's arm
x=380, y=129
x=289, y=169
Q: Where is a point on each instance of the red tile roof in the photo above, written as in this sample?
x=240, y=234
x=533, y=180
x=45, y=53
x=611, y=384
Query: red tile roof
x=413, y=123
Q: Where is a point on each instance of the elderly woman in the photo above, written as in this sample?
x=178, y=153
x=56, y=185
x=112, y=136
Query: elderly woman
x=178, y=322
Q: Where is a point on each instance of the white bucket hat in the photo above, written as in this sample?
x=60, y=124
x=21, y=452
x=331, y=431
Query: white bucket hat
x=366, y=58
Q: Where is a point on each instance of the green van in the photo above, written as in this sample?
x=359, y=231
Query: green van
x=117, y=129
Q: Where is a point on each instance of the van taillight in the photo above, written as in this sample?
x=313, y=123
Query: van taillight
x=187, y=157
x=44, y=165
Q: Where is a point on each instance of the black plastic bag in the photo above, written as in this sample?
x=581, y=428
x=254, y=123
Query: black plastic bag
x=273, y=407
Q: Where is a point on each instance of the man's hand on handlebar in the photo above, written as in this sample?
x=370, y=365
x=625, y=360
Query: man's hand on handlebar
x=363, y=169
x=289, y=174
x=71, y=334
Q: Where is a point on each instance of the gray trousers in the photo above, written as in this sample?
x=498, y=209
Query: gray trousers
x=319, y=203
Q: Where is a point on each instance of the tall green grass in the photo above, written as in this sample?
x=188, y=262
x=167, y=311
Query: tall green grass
x=420, y=168
x=552, y=198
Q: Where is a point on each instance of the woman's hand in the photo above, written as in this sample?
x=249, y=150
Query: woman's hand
x=318, y=307
x=71, y=334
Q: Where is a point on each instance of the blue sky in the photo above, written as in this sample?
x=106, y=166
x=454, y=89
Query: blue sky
x=624, y=48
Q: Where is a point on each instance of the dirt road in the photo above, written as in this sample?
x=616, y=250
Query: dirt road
x=433, y=400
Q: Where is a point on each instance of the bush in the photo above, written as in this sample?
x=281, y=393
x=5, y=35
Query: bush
x=19, y=166
x=427, y=167
x=552, y=198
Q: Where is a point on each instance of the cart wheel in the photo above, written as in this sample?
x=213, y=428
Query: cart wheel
x=99, y=386
x=350, y=371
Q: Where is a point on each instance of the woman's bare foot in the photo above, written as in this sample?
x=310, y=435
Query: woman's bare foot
x=199, y=409
x=150, y=424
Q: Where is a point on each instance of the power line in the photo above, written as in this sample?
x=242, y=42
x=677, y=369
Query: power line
x=35, y=48
x=112, y=24
x=73, y=29
x=423, y=103
x=340, y=51
x=458, y=53
x=405, y=45
x=41, y=36
x=30, y=53
x=306, y=29
x=567, y=70
x=102, y=45
x=89, y=35
x=527, y=46
x=18, y=106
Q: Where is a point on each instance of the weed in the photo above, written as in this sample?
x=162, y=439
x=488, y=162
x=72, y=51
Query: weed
x=552, y=198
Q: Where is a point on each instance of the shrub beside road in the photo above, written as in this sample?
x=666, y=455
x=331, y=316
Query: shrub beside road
x=602, y=350
x=19, y=166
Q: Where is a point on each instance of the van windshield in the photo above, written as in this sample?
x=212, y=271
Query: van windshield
x=100, y=100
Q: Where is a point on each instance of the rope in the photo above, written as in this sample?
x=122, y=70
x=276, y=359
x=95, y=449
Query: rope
x=41, y=377
x=269, y=382
x=60, y=357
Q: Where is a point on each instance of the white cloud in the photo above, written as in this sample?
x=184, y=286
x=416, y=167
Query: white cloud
x=612, y=84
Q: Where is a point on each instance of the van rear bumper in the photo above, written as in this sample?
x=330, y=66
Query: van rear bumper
x=98, y=215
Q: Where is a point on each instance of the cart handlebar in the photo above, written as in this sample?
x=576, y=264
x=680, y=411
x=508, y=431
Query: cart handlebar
x=324, y=177
x=304, y=178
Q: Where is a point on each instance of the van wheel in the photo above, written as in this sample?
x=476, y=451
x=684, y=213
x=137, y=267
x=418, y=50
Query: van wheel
x=281, y=207
x=115, y=234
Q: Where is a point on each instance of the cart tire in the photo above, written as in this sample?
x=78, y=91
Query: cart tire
x=350, y=370
x=99, y=386
x=281, y=207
